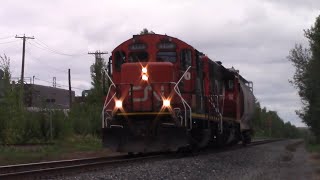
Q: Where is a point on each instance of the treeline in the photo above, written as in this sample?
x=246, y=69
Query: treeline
x=269, y=124
x=17, y=125
x=307, y=77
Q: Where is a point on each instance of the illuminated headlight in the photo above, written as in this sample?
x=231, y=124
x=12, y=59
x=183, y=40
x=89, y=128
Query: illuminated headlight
x=166, y=103
x=144, y=70
x=118, y=104
x=144, y=77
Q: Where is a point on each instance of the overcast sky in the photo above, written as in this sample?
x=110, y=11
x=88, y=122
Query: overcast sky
x=254, y=36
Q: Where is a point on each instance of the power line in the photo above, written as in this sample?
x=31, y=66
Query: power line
x=45, y=64
x=58, y=85
x=57, y=69
x=46, y=49
x=9, y=42
x=51, y=50
x=4, y=48
x=41, y=43
x=7, y=37
x=34, y=45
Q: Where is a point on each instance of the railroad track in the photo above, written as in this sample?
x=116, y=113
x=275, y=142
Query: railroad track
x=50, y=169
x=28, y=144
x=53, y=169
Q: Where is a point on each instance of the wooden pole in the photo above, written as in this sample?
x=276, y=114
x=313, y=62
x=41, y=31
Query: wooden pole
x=70, y=92
x=24, y=38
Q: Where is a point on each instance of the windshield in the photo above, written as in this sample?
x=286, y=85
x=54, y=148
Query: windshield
x=167, y=56
x=140, y=56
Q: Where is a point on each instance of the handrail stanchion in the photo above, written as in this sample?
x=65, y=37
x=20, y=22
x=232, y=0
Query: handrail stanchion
x=105, y=104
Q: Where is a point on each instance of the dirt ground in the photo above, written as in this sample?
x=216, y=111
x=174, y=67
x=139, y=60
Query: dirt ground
x=314, y=160
x=298, y=163
x=295, y=163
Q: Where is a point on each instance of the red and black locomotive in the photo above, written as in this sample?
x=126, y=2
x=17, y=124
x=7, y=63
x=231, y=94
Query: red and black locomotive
x=166, y=95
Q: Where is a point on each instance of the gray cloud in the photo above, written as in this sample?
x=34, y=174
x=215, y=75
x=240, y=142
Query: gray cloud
x=296, y=4
x=253, y=36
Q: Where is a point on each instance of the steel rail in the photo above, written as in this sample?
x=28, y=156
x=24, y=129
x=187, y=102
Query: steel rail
x=51, y=168
x=48, y=164
x=265, y=141
x=45, y=169
x=29, y=144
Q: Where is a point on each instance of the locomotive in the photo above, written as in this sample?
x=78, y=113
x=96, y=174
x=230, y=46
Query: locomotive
x=165, y=95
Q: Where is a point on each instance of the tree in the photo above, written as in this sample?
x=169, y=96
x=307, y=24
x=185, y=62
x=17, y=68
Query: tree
x=307, y=77
x=6, y=77
x=146, y=31
x=10, y=111
x=97, y=70
x=5, y=66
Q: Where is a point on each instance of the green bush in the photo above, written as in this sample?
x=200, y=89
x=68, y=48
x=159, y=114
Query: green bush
x=17, y=125
x=86, y=119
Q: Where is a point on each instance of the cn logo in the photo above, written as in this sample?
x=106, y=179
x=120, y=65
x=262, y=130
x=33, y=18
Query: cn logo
x=145, y=93
x=187, y=76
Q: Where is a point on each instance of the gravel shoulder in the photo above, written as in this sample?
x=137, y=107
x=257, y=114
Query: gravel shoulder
x=279, y=160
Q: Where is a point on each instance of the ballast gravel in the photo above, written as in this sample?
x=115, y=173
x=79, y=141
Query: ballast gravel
x=268, y=161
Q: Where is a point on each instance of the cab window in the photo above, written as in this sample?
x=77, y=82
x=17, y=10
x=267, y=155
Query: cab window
x=229, y=85
x=120, y=58
x=140, y=56
x=186, y=58
x=167, y=56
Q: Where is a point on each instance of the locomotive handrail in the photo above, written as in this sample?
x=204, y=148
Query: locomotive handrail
x=108, y=76
x=216, y=107
x=105, y=104
x=184, y=102
x=223, y=98
x=219, y=113
x=183, y=75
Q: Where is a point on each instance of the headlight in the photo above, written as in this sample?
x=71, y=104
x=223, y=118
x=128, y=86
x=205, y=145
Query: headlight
x=144, y=77
x=166, y=103
x=118, y=104
x=144, y=70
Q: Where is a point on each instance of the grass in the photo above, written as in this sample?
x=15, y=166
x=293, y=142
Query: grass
x=314, y=150
x=313, y=147
x=72, y=147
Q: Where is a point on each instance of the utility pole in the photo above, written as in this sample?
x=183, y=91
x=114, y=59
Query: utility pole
x=98, y=54
x=70, y=92
x=54, y=82
x=98, y=76
x=24, y=37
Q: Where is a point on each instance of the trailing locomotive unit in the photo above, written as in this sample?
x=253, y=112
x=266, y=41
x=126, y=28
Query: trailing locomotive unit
x=166, y=95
